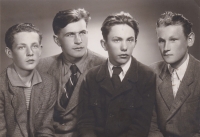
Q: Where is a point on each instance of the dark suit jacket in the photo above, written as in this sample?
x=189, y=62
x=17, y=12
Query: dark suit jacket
x=180, y=117
x=13, y=111
x=125, y=112
x=66, y=125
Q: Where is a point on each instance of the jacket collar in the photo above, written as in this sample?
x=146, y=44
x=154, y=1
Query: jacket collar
x=103, y=78
x=183, y=91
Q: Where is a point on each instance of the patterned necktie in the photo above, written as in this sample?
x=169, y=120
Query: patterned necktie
x=115, y=77
x=70, y=85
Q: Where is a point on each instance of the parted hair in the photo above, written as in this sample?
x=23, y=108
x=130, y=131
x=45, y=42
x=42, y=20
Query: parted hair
x=21, y=27
x=63, y=18
x=119, y=18
x=170, y=18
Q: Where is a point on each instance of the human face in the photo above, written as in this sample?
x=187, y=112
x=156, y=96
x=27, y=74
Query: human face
x=120, y=44
x=25, y=51
x=73, y=40
x=173, y=44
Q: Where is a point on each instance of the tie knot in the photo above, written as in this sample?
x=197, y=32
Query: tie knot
x=117, y=70
x=74, y=69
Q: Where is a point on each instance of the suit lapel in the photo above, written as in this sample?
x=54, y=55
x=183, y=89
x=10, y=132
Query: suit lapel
x=74, y=100
x=19, y=106
x=165, y=86
x=183, y=91
x=130, y=78
x=35, y=103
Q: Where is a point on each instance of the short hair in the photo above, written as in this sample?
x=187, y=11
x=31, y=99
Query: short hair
x=21, y=27
x=170, y=18
x=63, y=18
x=119, y=18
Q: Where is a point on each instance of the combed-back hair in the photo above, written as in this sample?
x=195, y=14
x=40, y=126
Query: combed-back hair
x=21, y=27
x=63, y=18
x=169, y=18
x=119, y=18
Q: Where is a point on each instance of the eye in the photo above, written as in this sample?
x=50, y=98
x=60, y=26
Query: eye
x=35, y=46
x=83, y=33
x=116, y=40
x=131, y=40
x=70, y=35
x=21, y=47
x=161, y=40
x=173, y=40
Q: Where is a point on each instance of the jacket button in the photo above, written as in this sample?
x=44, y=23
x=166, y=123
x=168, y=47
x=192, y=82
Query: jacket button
x=111, y=115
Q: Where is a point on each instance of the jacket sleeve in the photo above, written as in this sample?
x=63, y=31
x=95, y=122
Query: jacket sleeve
x=2, y=116
x=154, y=130
x=86, y=121
x=46, y=129
x=142, y=118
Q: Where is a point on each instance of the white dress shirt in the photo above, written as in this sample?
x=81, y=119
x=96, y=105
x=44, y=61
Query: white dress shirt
x=177, y=75
x=124, y=67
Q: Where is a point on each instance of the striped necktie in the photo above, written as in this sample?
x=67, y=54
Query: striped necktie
x=70, y=85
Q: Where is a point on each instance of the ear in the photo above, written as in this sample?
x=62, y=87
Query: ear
x=8, y=52
x=56, y=40
x=191, y=39
x=104, y=44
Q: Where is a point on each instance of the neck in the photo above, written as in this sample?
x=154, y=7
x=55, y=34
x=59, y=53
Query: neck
x=25, y=75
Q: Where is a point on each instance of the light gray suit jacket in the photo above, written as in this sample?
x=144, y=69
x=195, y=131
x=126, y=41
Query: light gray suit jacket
x=53, y=66
x=179, y=117
x=13, y=111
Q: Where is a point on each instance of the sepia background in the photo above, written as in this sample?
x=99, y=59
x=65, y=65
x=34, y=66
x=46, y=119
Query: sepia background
x=146, y=12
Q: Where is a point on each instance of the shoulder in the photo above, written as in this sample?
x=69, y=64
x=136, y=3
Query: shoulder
x=45, y=63
x=47, y=79
x=3, y=79
x=95, y=58
x=157, y=66
x=96, y=71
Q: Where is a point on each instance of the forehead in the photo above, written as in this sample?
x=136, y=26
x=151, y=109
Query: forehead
x=171, y=30
x=26, y=37
x=75, y=26
x=121, y=30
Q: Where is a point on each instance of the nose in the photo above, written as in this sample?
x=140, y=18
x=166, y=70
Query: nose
x=77, y=39
x=29, y=52
x=166, y=46
x=124, y=46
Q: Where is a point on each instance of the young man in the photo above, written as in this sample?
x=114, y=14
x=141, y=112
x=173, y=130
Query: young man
x=27, y=97
x=70, y=67
x=177, y=109
x=118, y=96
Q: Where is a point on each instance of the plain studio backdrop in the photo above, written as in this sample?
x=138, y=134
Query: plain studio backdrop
x=146, y=12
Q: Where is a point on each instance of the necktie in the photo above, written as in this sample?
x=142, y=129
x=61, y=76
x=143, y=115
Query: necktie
x=70, y=85
x=115, y=77
x=175, y=82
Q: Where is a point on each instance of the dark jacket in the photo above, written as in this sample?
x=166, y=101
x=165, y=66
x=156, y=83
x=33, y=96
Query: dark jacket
x=65, y=120
x=180, y=117
x=125, y=112
x=13, y=110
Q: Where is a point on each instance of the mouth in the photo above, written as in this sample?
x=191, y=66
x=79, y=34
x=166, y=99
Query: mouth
x=167, y=54
x=123, y=55
x=30, y=61
x=78, y=48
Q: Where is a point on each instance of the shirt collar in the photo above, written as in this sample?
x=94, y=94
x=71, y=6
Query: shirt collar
x=79, y=64
x=16, y=81
x=124, y=67
x=181, y=69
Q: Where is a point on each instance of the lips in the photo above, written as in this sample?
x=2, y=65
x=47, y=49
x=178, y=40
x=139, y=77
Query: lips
x=30, y=61
x=78, y=48
x=124, y=55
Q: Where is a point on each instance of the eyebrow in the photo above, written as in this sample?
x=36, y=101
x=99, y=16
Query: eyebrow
x=75, y=32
